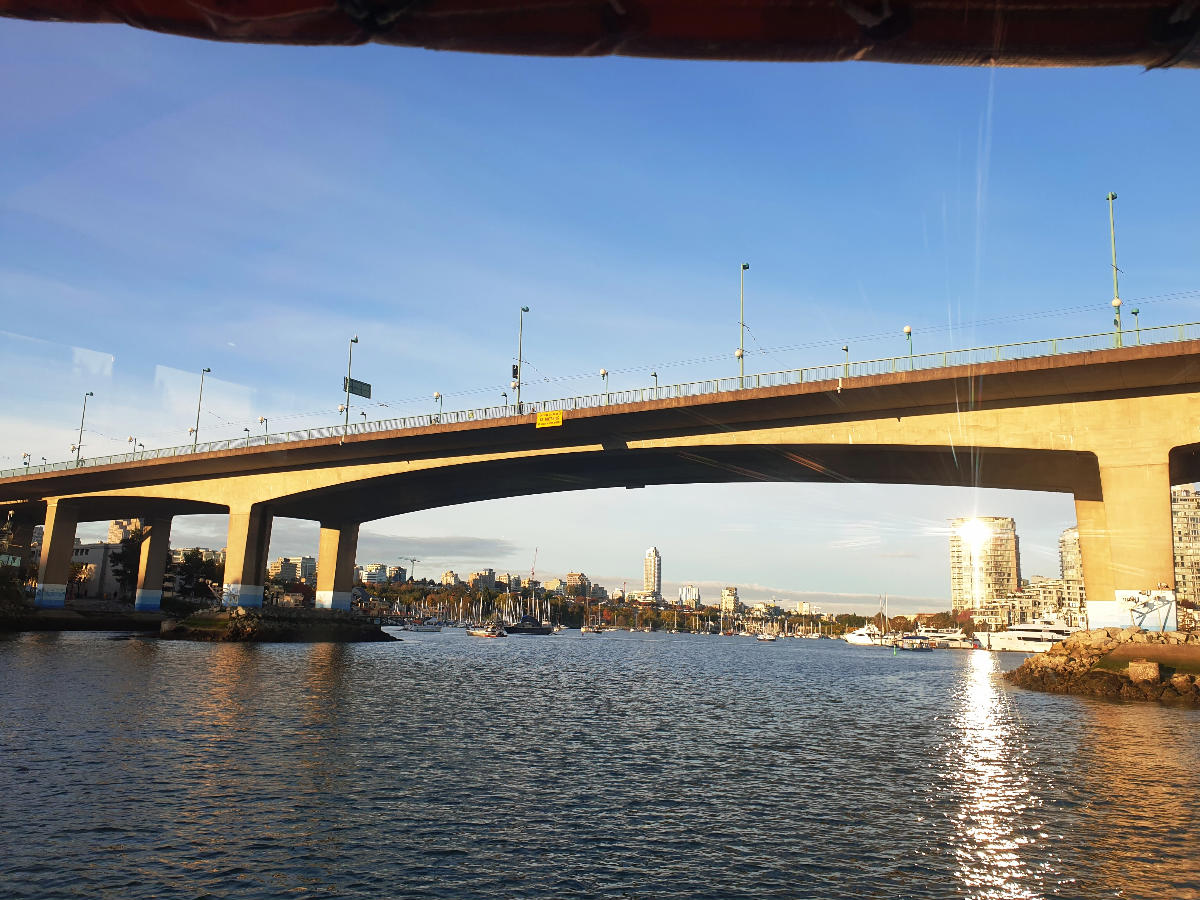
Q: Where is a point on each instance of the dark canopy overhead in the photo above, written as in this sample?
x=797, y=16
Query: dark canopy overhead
x=1151, y=33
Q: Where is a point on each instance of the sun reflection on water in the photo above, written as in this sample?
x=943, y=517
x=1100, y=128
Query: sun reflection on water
x=992, y=787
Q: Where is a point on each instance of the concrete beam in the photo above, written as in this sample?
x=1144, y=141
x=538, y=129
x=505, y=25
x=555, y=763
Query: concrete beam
x=153, y=563
x=335, y=565
x=58, y=546
x=246, y=556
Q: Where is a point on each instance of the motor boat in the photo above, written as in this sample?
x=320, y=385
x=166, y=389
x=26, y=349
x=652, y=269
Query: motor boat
x=1033, y=637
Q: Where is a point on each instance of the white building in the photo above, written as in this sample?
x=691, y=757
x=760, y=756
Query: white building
x=689, y=596
x=652, y=573
x=375, y=573
x=450, y=578
x=730, y=605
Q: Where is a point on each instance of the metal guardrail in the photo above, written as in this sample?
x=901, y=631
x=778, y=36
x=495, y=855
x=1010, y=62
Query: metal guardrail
x=1161, y=334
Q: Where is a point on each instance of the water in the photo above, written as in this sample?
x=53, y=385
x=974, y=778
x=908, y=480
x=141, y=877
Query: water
x=614, y=766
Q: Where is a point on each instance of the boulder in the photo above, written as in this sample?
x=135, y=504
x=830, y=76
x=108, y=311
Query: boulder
x=1143, y=671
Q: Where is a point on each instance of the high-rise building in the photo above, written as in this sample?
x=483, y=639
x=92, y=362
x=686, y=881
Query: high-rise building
x=689, y=596
x=578, y=584
x=652, y=573
x=482, y=580
x=450, y=577
x=985, y=561
x=292, y=569
x=375, y=573
x=1185, y=528
x=120, y=529
x=730, y=604
x=397, y=574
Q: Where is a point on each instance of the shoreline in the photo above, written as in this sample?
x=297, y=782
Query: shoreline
x=1118, y=663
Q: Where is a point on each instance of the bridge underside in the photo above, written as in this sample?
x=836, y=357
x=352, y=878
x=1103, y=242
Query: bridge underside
x=363, y=501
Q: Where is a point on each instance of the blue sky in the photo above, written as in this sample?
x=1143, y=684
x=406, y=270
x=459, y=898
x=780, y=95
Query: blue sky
x=168, y=204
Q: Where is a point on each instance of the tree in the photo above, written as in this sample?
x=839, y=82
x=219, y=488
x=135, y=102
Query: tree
x=126, y=561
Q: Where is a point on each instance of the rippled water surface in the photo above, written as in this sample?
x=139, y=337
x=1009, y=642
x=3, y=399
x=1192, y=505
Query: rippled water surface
x=617, y=766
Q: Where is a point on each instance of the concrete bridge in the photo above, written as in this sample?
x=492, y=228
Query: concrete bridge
x=1114, y=427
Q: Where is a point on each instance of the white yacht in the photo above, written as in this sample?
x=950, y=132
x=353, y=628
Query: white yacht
x=1031, y=638
x=868, y=634
x=947, y=638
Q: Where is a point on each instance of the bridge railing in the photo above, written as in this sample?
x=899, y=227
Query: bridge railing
x=1160, y=334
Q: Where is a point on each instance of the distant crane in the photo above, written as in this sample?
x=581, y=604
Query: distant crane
x=534, y=564
x=412, y=565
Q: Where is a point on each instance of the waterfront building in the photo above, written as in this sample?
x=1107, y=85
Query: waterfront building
x=397, y=574
x=555, y=585
x=578, y=584
x=985, y=561
x=598, y=592
x=652, y=573
x=293, y=569
x=1185, y=527
x=484, y=579
x=689, y=596
x=450, y=578
x=120, y=529
x=96, y=579
x=730, y=605
x=375, y=573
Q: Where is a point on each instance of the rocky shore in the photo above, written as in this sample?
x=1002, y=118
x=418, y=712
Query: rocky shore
x=273, y=624
x=1118, y=663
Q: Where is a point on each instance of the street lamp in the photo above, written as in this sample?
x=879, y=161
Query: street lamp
x=846, y=366
x=504, y=394
x=1137, y=325
x=349, y=364
x=262, y=420
x=741, y=353
x=1112, y=233
x=1116, y=305
x=247, y=430
x=604, y=375
x=654, y=375
x=79, y=444
x=136, y=444
x=437, y=395
x=517, y=371
x=199, y=400
x=25, y=459
x=908, y=335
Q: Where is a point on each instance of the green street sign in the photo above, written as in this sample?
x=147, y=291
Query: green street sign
x=354, y=386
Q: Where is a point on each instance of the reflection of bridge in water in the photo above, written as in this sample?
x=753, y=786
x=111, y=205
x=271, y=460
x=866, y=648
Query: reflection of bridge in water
x=1113, y=427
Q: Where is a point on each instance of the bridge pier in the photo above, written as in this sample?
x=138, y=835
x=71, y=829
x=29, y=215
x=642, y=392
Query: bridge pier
x=153, y=563
x=1126, y=539
x=58, y=546
x=246, y=556
x=335, y=565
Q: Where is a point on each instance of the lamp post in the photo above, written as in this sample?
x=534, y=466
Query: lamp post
x=654, y=375
x=908, y=335
x=741, y=352
x=349, y=364
x=1136, y=324
x=504, y=394
x=247, y=430
x=1112, y=234
x=199, y=400
x=846, y=365
x=604, y=376
x=79, y=444
x=25, y=460
x=437, y=395
x=262, y=420
x=520, y=342
x=136, y=444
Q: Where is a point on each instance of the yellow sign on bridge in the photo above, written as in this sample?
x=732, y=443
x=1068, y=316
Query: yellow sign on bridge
x=550, y=419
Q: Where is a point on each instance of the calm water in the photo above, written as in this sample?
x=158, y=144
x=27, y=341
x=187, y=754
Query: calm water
x=619, y=766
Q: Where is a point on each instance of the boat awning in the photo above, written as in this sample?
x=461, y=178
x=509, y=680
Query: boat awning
x=1152, y=33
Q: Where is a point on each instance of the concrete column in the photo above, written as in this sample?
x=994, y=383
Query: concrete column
x=58, y=546
x=1093, y=547
x=246, y=556
x=335, y=565
x=153, y=564
x=1137, y=520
